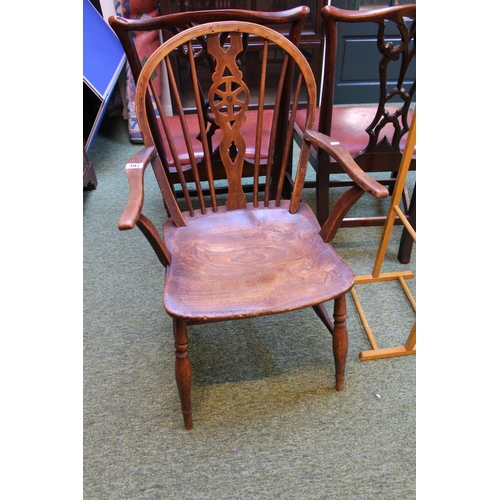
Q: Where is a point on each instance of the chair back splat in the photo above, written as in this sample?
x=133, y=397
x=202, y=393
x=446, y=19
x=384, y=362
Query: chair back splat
x=239, y=254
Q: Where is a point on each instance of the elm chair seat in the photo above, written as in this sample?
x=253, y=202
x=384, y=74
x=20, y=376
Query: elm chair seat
x=244, y=263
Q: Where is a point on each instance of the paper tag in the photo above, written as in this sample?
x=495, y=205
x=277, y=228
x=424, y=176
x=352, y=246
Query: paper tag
x=134, y=165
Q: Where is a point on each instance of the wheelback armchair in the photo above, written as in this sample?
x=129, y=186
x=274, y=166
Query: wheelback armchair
x=183, y=102
x=242, y=255
x=375, y=135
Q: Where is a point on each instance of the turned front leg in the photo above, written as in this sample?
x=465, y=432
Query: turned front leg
x=183, y=370
x=340, y=340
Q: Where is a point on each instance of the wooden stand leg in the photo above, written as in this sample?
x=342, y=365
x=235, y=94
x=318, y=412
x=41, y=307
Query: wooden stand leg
x=375, y=352
x=183, y=370
x=340, y=341
x=392, y=352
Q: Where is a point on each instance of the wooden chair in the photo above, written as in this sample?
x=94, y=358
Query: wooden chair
x=250, y=254
x=184, y=103
x=374, y=135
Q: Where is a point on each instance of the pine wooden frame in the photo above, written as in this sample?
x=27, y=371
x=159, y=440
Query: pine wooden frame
x=409, y=346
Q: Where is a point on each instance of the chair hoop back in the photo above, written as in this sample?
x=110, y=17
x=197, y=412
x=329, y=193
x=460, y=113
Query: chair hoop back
x=134, y=32
x=229, y=99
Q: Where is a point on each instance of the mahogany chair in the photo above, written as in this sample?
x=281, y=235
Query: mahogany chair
x=183, y=102
x=245, y=255
x=375, y=135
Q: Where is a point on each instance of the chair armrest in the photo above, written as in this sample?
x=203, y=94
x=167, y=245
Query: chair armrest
x=135, y=169
x=363, y=182
x=346, y=161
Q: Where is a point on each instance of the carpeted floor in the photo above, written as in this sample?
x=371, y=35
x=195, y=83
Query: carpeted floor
x=268, y=422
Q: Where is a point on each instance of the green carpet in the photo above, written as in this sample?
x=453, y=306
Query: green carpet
x=268, y=422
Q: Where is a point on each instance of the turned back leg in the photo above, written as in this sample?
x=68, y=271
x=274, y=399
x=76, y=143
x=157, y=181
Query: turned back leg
x=340, y=340
x=183, y=370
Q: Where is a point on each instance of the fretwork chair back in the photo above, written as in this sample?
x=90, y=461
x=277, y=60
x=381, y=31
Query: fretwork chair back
x=375, y=135
x=241, y=255
x=184, y=102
